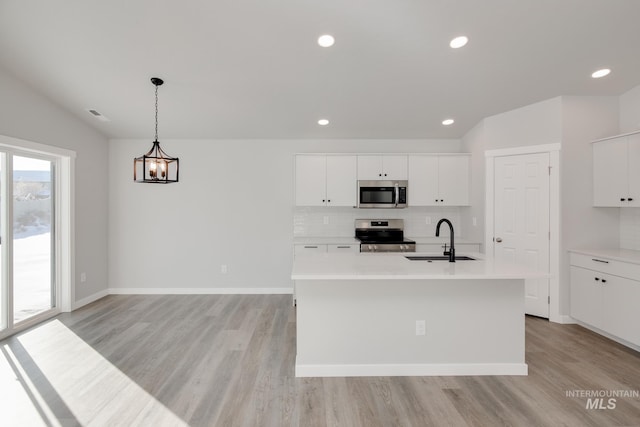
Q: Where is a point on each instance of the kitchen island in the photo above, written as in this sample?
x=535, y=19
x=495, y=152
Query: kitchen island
x=385, y=315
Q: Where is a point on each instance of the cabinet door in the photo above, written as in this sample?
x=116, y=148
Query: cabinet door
x=423, y=181
x=342, y=185
x=633, y=166
x=453, y=180
x=394, y=167
x=311, y=172
x=620, y=308
x=370, y=167
x=610, y=176
x=586, y=296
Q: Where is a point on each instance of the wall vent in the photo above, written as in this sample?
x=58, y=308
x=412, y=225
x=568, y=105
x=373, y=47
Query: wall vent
x=97, y=115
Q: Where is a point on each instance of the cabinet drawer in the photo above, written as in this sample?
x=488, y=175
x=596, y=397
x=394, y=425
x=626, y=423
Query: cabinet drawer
x=618, y=268
x=343, y=248
x=301, y=250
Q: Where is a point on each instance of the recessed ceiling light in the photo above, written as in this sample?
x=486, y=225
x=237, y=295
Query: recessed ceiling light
x=447, y=122
x=326, y=40
x=458, y=42
x=323, y=122
x=600, y=73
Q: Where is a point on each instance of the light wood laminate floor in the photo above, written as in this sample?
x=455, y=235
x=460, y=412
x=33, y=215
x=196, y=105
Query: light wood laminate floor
x=228, y=360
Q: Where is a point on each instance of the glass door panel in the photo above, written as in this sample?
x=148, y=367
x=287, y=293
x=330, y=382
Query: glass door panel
x=4, y=289
x=33, y=285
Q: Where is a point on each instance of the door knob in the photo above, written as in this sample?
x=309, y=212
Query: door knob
x=498, y=239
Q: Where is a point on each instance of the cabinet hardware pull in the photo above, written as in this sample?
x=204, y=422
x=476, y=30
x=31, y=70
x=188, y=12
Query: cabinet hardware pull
x=599, y=260
x=311, y=247
x=344, y=247
x=622, y=200
x=604, y=281
x=629, y=199
x=597, y=279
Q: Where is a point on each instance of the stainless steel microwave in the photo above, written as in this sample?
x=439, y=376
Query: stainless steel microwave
x=382, y=194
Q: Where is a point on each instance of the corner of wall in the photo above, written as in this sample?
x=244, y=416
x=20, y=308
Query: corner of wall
x=474, y=142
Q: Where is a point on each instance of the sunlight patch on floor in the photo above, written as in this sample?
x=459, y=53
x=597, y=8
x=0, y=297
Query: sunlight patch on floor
x=50, y=373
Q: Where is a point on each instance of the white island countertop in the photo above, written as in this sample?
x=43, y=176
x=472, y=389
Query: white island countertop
x=385, y=266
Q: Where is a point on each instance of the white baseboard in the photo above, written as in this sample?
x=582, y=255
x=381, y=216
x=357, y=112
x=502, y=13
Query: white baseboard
x=88, y=300
x=563, y=319
x=608, y=335
x=411, y=370
x=198, y=291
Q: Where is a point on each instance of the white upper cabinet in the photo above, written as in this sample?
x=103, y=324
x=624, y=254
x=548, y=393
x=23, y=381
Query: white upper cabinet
x=323, y=180
x=616, y=171
x=453, y=180
x=341, y=181
x=382, y=167
x=438, y=180
x=311, y=180
x=423, y=181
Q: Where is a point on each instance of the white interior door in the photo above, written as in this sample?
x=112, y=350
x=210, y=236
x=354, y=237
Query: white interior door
x=521, y=221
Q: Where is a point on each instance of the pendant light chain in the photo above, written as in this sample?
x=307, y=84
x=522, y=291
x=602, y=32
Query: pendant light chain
x=156, y=112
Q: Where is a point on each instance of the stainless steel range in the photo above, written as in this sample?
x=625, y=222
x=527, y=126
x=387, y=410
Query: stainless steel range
x=383, y=235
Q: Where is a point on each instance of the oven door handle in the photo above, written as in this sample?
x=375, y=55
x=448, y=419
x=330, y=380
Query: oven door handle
x=397, y=194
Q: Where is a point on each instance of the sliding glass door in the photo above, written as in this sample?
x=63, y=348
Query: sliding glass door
x=27, y=239
x=33, y=209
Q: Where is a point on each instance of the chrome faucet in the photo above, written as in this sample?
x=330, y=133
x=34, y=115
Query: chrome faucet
x=452, y=250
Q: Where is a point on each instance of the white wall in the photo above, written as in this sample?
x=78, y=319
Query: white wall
x=630, y=110
x=27, y=115
x=233, y=206
x=573, y=122
x=474, y=142
x=535, y=124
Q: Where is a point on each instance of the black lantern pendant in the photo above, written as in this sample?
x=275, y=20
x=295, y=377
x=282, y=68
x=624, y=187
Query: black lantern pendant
x=156, y=166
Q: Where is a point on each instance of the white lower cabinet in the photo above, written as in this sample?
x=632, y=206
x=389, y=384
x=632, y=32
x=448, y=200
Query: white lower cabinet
x=621, y=308
x=586, y=296
x=308, y=249
x=343, y=248
x=605, y=300
x=302, y=250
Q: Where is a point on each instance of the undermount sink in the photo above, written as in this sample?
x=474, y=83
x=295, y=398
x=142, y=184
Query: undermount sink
x=437, y=258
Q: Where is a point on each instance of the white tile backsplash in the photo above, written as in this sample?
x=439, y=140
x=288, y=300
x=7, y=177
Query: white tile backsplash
x=309, y=221
x=630, y=228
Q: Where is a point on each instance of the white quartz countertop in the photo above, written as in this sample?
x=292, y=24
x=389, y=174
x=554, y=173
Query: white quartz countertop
x=624, y=255
x=441, y=240
x=325, y=241
x=385, y=266
x=337, y=240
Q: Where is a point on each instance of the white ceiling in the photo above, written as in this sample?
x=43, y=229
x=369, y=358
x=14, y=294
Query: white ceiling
x=252, y=68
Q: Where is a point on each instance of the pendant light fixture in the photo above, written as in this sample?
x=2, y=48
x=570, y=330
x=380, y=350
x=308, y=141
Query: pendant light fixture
x=156, y=166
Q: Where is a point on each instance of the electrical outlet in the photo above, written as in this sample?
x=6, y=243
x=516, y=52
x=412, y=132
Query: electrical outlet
x=325, y=220
x=83, y=277
x=421, y=327
x=475, y=221
x=427, y=220
x=223, y=269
